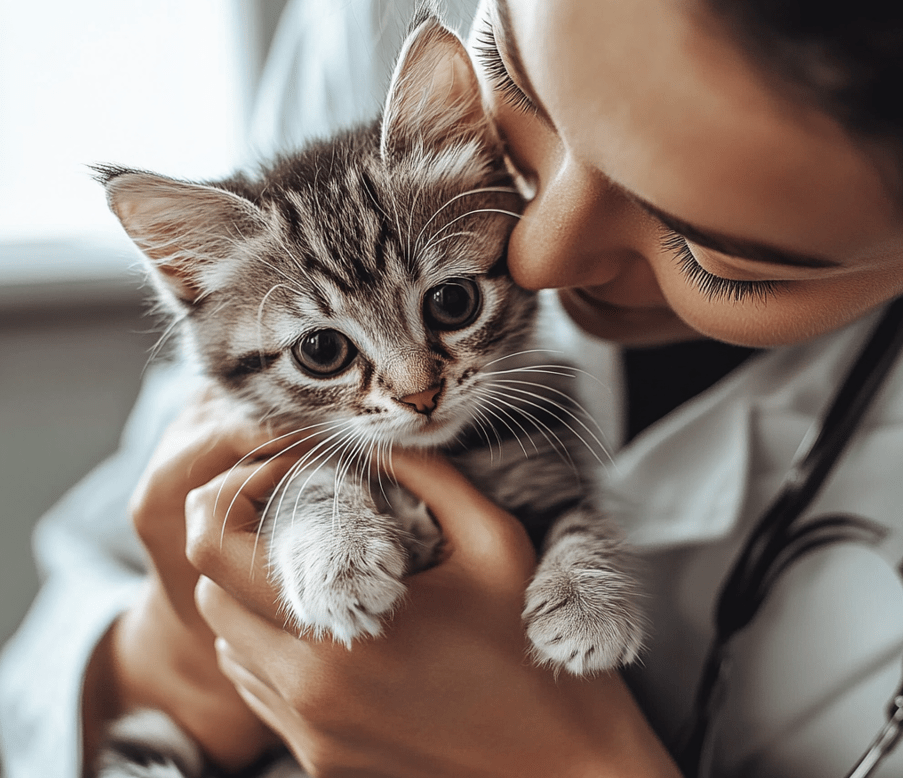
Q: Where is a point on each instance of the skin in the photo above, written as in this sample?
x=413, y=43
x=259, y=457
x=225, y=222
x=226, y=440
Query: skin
x=697, y=132
x=160, y=653
x=647, y=107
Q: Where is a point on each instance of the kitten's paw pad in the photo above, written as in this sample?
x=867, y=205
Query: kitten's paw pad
x=346, y=593
x=584, y=621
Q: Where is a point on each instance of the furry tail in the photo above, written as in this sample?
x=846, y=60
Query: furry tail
x=148, y=744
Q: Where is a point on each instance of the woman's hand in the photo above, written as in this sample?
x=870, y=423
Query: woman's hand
x=160, y=653
x=448, y=689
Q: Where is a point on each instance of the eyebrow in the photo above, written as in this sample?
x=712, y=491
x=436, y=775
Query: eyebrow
x=506, y=41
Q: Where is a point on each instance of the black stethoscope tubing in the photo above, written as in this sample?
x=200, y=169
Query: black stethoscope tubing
x=780, y=538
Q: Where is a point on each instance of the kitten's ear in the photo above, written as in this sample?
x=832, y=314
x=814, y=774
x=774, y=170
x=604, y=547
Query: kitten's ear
x=434, y=97
x=190, y=233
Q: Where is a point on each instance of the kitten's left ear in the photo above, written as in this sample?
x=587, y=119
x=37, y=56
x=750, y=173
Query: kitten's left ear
x=434, y=98
x=192, y=234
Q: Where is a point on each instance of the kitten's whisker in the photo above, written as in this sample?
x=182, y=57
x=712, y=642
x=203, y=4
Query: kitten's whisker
x=513, y=385
x=359, y=458
x=325, y=447
x=521, y=353
x=448, y=224
x=568, y=371
x=545, y=370
x=367, y=464
x=382, y=455
x=481, y=190
x=391, y=464
x=363, y=459
x=325, y=456
x=247, y=480
x=585, y=414
x=346, y=459
x=263, y=302
x=576, y=433
x=436, y=241
x=485, y=419
x=498, y=407
x=482, y=423
x=544, y=429
x=372, y=462
x=278, y=490
x=253, y=451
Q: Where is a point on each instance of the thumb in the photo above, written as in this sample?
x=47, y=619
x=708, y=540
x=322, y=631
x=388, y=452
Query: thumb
x=478, y=533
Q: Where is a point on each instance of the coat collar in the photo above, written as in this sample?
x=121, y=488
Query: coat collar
x=686, y=478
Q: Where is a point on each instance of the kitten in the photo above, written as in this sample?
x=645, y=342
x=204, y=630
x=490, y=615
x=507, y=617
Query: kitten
x=357, y=290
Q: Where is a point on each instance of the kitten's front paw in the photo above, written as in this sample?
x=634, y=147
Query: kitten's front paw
x=341, y=588
x=583, y=620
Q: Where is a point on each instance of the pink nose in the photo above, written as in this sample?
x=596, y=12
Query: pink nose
x=423, y=402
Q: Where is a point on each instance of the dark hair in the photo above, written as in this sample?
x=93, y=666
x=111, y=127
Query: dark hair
x=842, y=56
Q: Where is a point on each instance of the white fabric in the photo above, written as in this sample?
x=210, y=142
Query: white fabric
x=329, y=67
x=811, y=677
x=93, y=566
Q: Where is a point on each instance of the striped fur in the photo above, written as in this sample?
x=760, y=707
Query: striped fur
x=355, y=235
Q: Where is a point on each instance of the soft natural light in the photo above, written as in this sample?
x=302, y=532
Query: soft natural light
x=143, y=83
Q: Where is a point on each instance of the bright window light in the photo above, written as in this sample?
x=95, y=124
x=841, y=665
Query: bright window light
x=153, y=84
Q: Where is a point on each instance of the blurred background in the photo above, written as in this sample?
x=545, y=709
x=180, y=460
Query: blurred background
x=160, y=84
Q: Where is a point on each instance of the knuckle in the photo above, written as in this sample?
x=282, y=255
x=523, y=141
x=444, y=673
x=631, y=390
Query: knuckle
x=201, y=547
x=145, y=514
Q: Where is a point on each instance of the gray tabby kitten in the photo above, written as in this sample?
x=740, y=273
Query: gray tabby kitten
x=357, y=290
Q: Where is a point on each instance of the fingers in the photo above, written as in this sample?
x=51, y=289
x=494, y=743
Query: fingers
x=477, y=532
x=262, y=657
x=203, y=441
x=223, y=539
x=483, y=542
x=207, y=438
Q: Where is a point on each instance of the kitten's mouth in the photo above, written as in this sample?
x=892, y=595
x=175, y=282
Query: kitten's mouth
x=434, y=430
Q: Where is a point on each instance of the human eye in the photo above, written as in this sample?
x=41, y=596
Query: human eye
x=715, y=288
x=487, y=52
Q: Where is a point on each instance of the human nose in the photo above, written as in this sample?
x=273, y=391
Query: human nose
x=578, y=230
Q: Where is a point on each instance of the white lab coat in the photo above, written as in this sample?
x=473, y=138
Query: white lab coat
x=814, y=673
x=811, y=677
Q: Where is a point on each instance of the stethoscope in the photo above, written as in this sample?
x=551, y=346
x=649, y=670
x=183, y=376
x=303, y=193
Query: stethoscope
x=781, y=537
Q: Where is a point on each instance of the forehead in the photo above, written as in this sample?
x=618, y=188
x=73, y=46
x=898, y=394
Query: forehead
x=652, y=93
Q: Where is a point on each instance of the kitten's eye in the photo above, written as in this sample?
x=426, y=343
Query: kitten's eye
x=324, y=353
x=452, y=305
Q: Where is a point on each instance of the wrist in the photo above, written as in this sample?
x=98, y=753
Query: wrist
x=151, y=659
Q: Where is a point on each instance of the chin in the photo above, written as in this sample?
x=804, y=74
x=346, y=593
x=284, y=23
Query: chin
x=430, y=434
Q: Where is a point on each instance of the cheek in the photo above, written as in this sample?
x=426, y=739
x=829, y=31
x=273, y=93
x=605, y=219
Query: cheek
x=798, y=312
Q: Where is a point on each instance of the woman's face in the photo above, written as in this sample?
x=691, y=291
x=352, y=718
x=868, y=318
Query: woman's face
x=677, y=194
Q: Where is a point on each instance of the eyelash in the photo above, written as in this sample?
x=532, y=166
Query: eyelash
x=714, y=288
x=487, y=52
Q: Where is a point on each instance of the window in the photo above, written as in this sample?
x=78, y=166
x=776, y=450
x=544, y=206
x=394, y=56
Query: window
x=157, y=84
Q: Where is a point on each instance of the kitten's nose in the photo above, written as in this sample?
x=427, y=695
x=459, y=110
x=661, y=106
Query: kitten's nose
x=423, y=402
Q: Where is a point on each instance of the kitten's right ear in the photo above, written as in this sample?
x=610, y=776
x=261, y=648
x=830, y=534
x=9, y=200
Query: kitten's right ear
x=190, y=233
x=434, y=99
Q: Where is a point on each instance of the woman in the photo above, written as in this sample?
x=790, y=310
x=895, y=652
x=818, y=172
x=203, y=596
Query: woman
x=705, y=173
